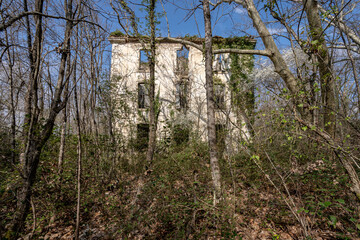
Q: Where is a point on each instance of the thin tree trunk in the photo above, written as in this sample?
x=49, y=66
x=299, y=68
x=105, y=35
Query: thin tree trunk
x=31, y=153
x=62, y=143
x=276, y=58
x=37, y=137
x=12, y=103
x=327, y=79
x=214, y=163
x=64, y=122
x=152, y=117
x=354, y=69
x=79, y=150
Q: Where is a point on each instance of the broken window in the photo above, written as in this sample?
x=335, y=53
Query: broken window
x=219, y=96
x=144, y=59
x=220, y=131
x=143, y=95
x=182, y=60
x=220, y=62
x=142, y=136
x=181, y=95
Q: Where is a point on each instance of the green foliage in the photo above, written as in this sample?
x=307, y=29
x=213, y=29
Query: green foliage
x=189, y=37
x=117, y=33
x=241, y=86
x=180, y=134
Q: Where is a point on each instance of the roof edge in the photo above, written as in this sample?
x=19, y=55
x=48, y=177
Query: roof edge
x=197, y=40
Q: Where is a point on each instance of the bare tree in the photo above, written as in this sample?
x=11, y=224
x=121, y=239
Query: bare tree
x=290, y=80
x=35, y=135
x=152, y=106
x=214, y=163
x=327, y=78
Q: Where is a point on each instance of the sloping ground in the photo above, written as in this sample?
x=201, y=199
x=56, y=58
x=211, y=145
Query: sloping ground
x=176, y=200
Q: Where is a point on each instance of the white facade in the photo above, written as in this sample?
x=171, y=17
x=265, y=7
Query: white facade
x=172, y=88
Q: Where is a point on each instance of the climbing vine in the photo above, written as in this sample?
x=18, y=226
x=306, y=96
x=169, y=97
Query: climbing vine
x=241, y=86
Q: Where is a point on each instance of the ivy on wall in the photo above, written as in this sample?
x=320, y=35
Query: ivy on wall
x=241, y=86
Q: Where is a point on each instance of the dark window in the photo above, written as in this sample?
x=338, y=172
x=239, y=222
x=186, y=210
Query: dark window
x=220, y=137
x=143, y=95
x=182, y=60
x=219, y=96
x=180, y=134
x=181, y=95
x=142, y=136
x=144, y=59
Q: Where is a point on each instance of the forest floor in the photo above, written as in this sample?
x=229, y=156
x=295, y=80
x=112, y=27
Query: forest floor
x=175, y=201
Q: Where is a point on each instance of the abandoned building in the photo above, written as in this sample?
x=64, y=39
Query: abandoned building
x=179, y=91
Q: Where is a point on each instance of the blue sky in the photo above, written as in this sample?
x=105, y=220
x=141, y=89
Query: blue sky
x=182, y=20
x=227, y=20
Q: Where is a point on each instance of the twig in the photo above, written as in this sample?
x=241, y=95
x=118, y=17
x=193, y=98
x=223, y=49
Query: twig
x=34, y=217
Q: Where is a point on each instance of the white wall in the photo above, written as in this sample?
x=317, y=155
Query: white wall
x=125, y=68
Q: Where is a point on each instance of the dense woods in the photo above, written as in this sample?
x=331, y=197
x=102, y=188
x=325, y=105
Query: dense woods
x=68, y=171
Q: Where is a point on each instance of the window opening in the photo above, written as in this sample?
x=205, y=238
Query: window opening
x=182, y=60
x=143, y=95
x=218, y=62
x=181, y=95
x=142, y=136
x=219, y=96
x=220, y=131
x=144, y=59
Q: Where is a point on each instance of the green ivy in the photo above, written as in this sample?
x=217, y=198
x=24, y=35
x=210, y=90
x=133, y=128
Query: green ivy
x=243, y=99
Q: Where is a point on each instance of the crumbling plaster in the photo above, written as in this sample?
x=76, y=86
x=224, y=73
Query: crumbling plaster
x=125, y=69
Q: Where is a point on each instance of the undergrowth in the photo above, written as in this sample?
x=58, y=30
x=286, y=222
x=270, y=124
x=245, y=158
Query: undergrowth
x=177, y=198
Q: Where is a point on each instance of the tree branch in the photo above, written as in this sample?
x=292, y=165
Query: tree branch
x=266, y=53
x=185, y=42
x=24, y=14
x=341, y=25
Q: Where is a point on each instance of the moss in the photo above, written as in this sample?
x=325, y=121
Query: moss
x=191, y=38
x=234, y=42
x=117, y=33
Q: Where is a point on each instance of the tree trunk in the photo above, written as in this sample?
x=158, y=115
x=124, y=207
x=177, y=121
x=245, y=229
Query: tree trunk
x=79, y=151
x=62, y=143
x=214, y=163
x=24, y=194
x=152, y=117
x=327, y=79
x=276, y=58
x=36, y=135
x=64, y=123
x=12, y=102
x=31, y=153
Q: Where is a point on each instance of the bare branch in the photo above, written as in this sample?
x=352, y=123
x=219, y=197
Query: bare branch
x=185, y=42
x=24, y=14
x=341, y=25
x=266, y=53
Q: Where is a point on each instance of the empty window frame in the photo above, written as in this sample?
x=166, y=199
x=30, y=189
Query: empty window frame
x=219, y=96
x=182, y=60
x=144, y=59
x=181, y=95
x=143, y=95
x=220, y=62
x=142, y=136
x=220, y=136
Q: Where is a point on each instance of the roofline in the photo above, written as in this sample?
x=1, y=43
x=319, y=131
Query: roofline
x=128, y=39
